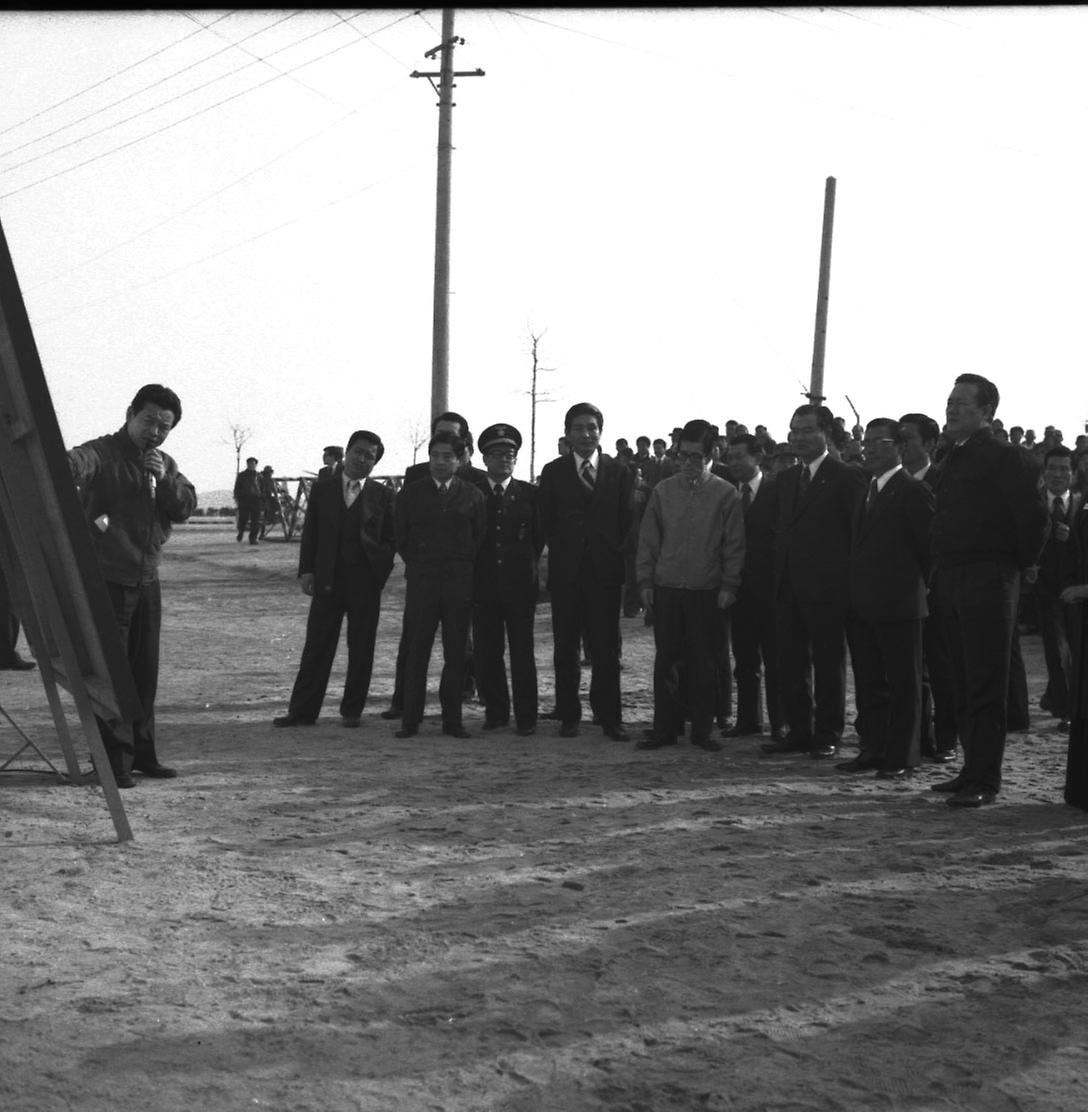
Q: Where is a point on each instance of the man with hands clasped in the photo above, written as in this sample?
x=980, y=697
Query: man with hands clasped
x=690, y=556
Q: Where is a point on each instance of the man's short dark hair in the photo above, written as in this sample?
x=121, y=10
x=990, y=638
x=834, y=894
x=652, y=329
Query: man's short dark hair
x=895, y=429
x=825, y=419
x=580, y=408
x=366, y=434
x=334, y=450
x=986, y=391
x=462, y=424
x=700, y=432
x=457, y=443
x=928, y=429
x=659, y=441
x=159, y=395
x=751, y=444
x=1059, y=450
x=640, y=440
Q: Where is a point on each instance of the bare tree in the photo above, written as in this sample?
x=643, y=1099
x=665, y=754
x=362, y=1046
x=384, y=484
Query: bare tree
x=239, y=434
x=417, y=431
x=535, y=395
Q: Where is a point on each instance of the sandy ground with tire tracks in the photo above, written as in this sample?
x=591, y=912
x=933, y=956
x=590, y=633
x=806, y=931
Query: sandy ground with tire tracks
x=325, y=920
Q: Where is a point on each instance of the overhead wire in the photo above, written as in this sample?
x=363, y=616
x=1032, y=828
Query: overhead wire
x=178, y=214
x=188, y=92
x=131, y=96
x=193, y=115
x=108, y=78
x=234, y=246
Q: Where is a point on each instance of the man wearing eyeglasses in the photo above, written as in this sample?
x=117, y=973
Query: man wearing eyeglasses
x=690, y=556
x=889, y=563
x=504, y=596
x=816, y=505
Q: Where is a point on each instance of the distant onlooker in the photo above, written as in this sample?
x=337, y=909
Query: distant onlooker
x=332, y=455
x=269, y=501
x=247, y=494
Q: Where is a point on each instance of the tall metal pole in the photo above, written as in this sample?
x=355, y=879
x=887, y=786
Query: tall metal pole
x=816, y=383
x=440, y=333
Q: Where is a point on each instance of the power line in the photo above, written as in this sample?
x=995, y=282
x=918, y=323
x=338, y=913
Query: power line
x=108, y=78
x=215, y=193
x=181, y=96
x=234, y=246
x=130, y=96
x=193, y=115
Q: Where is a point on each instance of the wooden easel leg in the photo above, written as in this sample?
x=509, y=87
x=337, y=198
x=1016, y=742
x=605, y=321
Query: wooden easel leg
x=64, y=735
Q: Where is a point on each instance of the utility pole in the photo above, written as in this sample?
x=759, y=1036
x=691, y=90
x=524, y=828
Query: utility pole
x=440, y=335
x=816, y=384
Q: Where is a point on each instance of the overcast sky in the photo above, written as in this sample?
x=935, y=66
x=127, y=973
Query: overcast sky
x=241, y=205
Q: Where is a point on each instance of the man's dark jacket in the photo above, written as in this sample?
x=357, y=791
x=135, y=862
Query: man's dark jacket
x=323, y=544
x=989, y=506
x=583, y=528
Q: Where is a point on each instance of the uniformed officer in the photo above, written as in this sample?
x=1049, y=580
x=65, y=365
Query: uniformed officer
x=504, y=599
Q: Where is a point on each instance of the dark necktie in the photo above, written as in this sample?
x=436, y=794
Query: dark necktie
x=871, y=497
x=443, y=490
x=745, y=497
x=1057, y=511
x=587, y=474
x=806, y=480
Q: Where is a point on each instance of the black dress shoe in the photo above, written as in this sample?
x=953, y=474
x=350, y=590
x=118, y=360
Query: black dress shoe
x=290, y=719
x=124, y=780
x=393, y=712
x=15, y=663
x=944, y=756
x=953, y=785
x=821, y=751
x=785, y=745
x=407, y=731
x=707, y=743
x=741, y=731
x=894, y=773
x=861, y=763
x=156, y=771
x=616, y=733
x=455, y=729
x=655, y=741
x=495, y=723
x=568, y=729
x=527, y=730
x=968, y=797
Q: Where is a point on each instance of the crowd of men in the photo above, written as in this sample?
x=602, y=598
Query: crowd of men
x=901, y=547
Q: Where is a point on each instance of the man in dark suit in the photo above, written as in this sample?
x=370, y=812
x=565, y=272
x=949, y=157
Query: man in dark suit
x=989, y=525
x=332, y=455
x=504, y=597
x=1055, y=571
x=753, y=614
x=920, y=436
x=889, y=563
x=440, y=524
x=816, y=506
x=247, y=496
x=586, y=507
x=345, y=557
x=444, y=422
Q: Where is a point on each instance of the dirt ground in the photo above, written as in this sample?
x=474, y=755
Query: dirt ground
x=325, y=920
